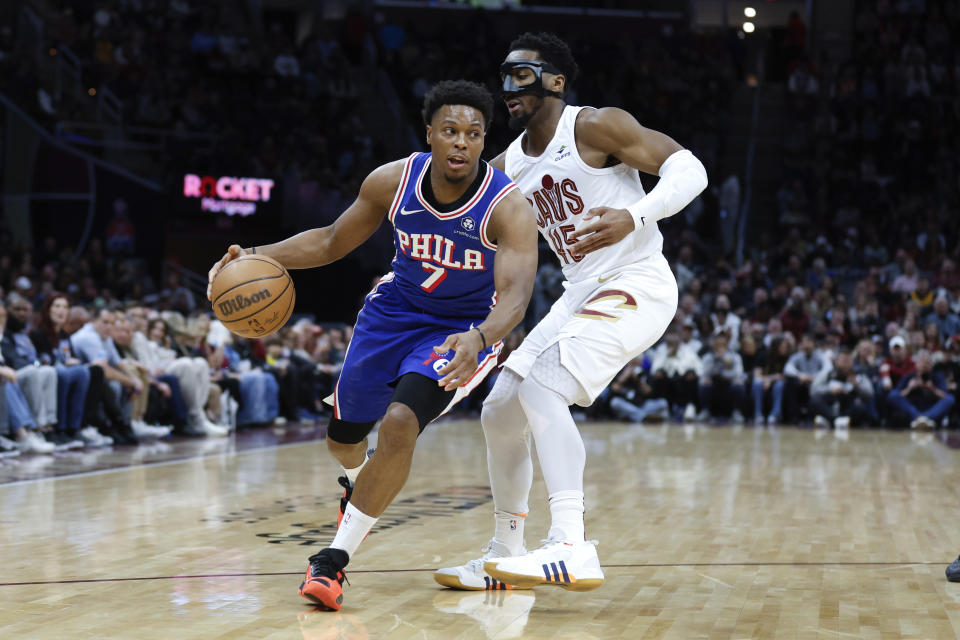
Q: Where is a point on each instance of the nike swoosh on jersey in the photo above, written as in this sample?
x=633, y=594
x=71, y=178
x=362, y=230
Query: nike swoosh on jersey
x=602, y=280
x=404, y=212
x=517, y=174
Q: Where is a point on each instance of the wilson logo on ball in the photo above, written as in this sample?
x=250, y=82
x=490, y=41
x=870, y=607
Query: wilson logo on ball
x=229, y=307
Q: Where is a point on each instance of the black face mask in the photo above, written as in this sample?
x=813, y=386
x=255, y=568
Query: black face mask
x=510, y=88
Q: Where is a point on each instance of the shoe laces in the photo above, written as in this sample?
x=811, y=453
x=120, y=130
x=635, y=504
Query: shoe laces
x=322, y=565
x=556, y=539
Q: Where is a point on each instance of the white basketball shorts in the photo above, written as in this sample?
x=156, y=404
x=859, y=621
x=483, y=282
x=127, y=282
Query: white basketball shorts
x=603, y=322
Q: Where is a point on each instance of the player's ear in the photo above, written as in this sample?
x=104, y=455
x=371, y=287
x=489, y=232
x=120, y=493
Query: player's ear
x=429, y=134
x=558, y=83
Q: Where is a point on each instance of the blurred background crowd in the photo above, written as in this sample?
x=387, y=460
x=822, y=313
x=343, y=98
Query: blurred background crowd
x=818, y=281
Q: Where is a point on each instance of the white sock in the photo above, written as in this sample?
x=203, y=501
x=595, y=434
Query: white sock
x=508, y=461
x=353, y=529
x=508, y=531
x=353, y=473
x=566, y=516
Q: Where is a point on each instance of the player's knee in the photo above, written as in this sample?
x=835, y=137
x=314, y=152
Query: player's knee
x=343, y=448
x=399, y=429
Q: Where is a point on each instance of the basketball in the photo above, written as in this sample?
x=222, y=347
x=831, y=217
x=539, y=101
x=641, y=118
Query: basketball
x=253, y=296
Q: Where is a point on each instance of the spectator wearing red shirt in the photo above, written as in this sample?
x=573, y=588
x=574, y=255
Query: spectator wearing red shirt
x=897, y=364
x=794, y=318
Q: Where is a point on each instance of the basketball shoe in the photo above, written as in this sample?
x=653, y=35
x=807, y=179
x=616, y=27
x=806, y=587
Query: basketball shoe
x=322, y=583
x=471, y=576
x=953, y=571
x=571, y=565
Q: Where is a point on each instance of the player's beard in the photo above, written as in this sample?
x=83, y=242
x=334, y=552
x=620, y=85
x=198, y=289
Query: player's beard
x=519, y=123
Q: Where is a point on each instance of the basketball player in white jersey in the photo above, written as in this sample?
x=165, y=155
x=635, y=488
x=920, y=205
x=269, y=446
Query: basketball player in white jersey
x=578, y=167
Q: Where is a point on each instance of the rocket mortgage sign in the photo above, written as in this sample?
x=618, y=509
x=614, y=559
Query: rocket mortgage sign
x=228, y=194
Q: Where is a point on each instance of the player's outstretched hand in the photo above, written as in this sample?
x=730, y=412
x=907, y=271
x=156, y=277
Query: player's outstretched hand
x=234, y=252
x=461, y=368
x=611, y=226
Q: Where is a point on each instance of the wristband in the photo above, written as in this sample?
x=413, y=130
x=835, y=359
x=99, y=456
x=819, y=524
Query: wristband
x=482, y=337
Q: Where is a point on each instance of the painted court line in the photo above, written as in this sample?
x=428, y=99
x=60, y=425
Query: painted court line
x=159, y=463
x=607, y=566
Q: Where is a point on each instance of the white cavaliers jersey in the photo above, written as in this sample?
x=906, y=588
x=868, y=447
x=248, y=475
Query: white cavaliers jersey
x=561, y=187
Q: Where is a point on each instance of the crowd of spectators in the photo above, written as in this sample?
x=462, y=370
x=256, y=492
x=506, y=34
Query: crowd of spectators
x=95, y=366
x=872, y=141
x=849, y=316
x=265, y=97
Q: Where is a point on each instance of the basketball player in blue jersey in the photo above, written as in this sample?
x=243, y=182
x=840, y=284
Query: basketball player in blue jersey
x=578, y=167
x=431, y=330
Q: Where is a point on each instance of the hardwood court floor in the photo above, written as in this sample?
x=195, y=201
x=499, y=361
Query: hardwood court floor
x=704, y=533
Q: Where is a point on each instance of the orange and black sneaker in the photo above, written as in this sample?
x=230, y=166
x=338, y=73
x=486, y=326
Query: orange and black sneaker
x=323, y=583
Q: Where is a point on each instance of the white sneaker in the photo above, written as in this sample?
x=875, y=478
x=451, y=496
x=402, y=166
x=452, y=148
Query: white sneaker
x=33, y=442
x=142, y=430
x=571, y=565
x=471, y=576
x=842, y=422
x=8, y=448
x=690, y=412
x=737, y=417
x=94, y=438
x=213, y=430
x=821, y=423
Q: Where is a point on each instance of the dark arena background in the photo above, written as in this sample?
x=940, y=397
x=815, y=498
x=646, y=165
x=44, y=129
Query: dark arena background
x=781, y=464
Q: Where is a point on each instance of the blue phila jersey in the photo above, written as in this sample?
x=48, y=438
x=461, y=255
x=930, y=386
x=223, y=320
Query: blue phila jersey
x=444, y=260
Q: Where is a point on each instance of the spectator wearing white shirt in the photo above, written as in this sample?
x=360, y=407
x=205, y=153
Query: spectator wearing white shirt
x=193, y=374
x=675, y=375
x=726, y=322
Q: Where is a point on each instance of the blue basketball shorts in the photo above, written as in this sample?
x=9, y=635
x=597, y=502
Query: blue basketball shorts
x=391, y=339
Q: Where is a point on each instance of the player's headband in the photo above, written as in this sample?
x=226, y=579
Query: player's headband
x=537, y=67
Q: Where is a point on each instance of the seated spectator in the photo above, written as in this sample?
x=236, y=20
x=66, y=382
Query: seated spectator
x=907, y=281
x=257, y=390
x=8, y=448
x=73, y=378
x=922, y=395
x=688, y=337
x=122, y=334
x=866, y=363
x=795, y=318
x=191, y=375
x=922, y=297
x=38, y=382
x=947, y=323
x=725, y=321
x=897, y=365
x=768, y=382
x=721, y=382
x=840, y=396
x=631, y=396
x=94, y=346
x=675, y=376
x=800, y=371
x=20, y=421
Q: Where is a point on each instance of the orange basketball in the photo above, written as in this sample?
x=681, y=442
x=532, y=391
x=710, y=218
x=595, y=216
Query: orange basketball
x=253, y=296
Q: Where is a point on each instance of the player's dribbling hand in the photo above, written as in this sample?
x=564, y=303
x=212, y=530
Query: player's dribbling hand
x=611, y=226
x=234, y=252
x=460, y=369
